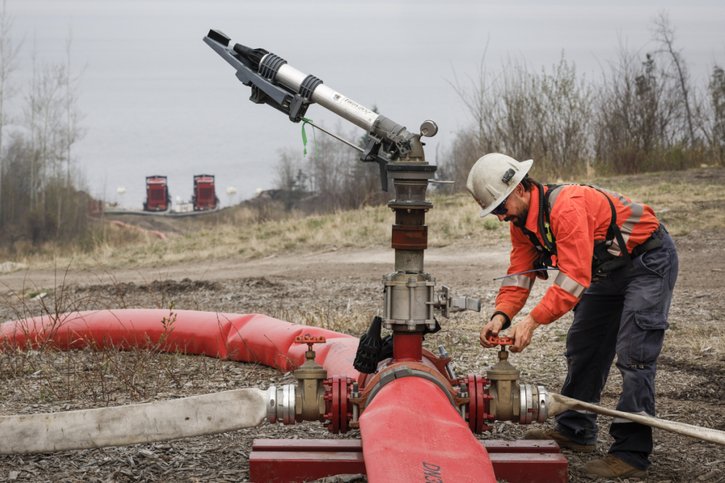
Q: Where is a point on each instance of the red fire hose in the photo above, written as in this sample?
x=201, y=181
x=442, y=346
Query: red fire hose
x=407, y=447
x=249, y=338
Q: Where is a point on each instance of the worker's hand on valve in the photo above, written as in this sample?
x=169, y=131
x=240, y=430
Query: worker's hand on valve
x=491, y=329
x=522, y=333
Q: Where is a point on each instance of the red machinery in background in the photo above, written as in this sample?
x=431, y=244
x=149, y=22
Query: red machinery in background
x=157, y=194
x=204, y=197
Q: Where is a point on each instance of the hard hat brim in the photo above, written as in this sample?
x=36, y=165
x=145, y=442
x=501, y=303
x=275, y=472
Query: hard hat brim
x=523, y=171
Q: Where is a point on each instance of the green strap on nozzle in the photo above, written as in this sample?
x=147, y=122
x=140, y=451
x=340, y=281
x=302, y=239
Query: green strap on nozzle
x=305, y=121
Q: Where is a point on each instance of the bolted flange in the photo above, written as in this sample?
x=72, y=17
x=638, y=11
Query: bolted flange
x=338, y=409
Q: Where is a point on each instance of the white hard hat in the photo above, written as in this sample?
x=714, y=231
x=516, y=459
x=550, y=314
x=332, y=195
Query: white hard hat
x=493, y=177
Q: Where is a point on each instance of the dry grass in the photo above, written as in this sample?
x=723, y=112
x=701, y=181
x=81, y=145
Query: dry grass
x=701, y=339
x=96, y=376
x=685, y=201
x=454, y=218
x=65, y=380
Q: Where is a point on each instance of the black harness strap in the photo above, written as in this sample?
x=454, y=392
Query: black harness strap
x=545, y=221
x=548, y=248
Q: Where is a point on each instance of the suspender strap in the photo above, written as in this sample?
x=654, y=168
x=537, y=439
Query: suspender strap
x=534, y=239
x=613, y=231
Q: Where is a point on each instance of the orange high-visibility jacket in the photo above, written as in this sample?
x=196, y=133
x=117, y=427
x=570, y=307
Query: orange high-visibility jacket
x=580, y=215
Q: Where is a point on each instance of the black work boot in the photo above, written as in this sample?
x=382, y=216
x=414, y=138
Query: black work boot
x=563, y=440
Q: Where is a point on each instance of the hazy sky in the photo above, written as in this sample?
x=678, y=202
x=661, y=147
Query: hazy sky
x=157, y=100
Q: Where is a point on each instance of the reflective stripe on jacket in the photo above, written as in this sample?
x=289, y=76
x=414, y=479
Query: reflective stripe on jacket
x=580, y=215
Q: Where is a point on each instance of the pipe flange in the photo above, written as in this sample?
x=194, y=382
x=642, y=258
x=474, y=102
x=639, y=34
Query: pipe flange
x=543, y=398
x=479, y=404
x=525, y=404
x=338, y=409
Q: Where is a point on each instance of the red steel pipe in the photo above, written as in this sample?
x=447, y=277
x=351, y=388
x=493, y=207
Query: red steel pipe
x=407, y=347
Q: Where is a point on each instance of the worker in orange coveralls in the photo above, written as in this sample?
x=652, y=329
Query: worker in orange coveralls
x=617, y=267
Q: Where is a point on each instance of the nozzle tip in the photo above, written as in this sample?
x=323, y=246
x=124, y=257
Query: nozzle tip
x=219, y=36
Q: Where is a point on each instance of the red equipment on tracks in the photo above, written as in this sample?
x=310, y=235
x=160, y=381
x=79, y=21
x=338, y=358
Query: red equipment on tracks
x=157, y=194
x=204, y=197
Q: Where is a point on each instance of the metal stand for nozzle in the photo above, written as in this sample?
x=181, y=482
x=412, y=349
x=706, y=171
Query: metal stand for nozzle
x=298, y=460
x=409, y=292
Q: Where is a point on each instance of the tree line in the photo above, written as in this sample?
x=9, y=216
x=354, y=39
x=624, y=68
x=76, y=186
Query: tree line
x=39, y=125
x=330, y=177
x=644, y=114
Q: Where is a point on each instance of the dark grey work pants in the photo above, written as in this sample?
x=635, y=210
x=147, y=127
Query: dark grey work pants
x=624, y=314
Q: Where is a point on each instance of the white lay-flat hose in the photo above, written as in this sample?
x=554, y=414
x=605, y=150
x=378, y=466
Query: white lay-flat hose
x=136, y=423
x=559, y=404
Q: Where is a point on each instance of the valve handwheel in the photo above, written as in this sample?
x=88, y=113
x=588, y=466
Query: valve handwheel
x=310, y=340
x=500, y=340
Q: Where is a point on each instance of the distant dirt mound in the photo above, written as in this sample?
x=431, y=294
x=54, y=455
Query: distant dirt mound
x=163, y=225
x=160, y=286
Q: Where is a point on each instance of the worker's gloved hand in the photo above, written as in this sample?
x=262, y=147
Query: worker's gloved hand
x=491, y=329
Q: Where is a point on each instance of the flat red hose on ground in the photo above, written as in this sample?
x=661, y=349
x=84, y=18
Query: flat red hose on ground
x=410, y=432
x=249, y=338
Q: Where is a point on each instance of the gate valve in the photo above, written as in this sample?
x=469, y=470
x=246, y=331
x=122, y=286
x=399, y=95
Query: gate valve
x=309, y=402
x=513, y=401
x=504, y=380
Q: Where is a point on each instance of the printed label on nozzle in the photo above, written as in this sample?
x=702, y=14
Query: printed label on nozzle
x=354, y=107
x=432, y=473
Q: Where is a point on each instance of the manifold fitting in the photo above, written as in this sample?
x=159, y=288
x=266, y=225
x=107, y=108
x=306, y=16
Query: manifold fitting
x=511, y=400
x=303, y=401
x=534, y=404
x=281, y=404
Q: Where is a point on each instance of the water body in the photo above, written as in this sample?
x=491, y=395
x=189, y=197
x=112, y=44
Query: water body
x=157, y=100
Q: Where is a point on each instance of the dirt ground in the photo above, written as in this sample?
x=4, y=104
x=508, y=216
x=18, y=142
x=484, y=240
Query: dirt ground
x=340, y=290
